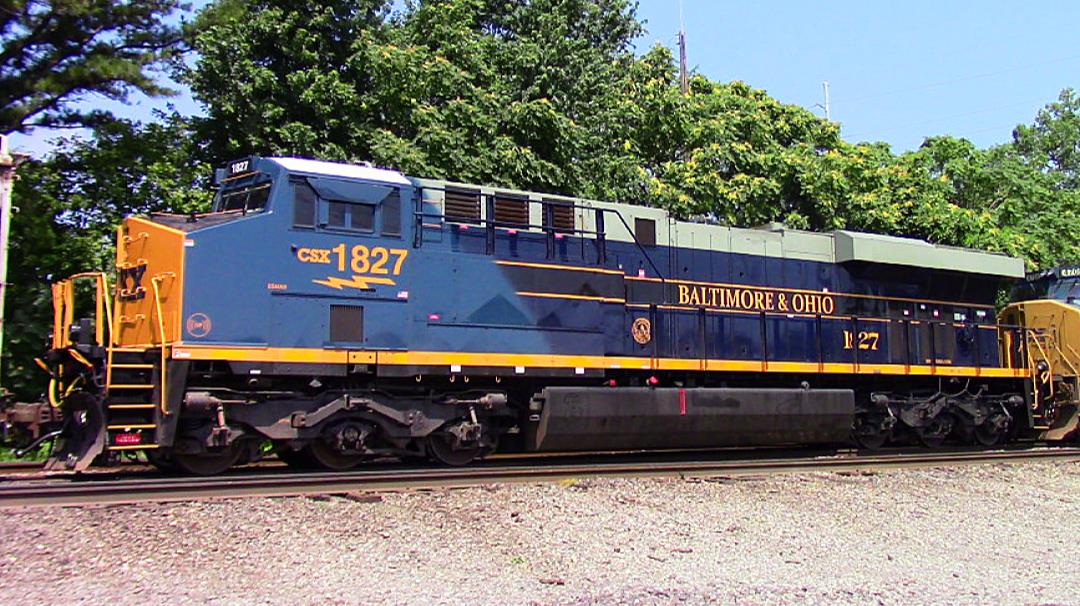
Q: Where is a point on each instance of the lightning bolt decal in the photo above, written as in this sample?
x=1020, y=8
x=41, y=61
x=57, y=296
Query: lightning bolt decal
x=358, y=282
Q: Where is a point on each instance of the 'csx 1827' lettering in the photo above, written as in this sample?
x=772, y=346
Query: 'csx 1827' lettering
x=359, y=259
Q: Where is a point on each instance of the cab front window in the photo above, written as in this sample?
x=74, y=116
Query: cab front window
x=250, y=198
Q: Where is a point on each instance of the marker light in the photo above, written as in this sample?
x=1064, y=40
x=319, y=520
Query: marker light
x=128, y=439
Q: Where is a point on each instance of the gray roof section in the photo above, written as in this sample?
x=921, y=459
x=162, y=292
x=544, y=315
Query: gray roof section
x=876, y=248
x=772, y=240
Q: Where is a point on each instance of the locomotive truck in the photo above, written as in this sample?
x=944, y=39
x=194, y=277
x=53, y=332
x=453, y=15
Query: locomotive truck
x=335, y=313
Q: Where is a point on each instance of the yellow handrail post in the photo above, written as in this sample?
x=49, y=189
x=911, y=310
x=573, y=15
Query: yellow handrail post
x=99, y=312
x=69, y=309
x=58, y=315
x=156, y=283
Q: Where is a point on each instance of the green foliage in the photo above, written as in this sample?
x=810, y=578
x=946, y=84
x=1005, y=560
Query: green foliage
x=478, y=90
x=1052, y=143
x=54, y=52
x=67, y=209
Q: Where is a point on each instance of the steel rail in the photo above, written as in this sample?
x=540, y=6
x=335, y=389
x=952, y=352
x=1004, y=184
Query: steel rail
x=21, y=466
x=125, y=491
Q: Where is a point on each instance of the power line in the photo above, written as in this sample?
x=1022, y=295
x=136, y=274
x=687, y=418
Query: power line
x=988, y=110
x=971, y=77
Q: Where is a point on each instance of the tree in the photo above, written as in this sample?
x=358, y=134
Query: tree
x=725, y=151
x=482, y=90
x=68, y=206
x=55, y=52
x=1052, y=143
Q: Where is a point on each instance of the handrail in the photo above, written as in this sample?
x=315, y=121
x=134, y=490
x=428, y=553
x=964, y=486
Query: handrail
x=1075, y=353
x=156, y=283
x=64, y=309
x=1033, y=337
x=633, y=235
x=489, y=222
x=59, y=330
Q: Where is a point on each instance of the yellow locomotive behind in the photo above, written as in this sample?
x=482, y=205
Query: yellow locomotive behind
x=1047, y=305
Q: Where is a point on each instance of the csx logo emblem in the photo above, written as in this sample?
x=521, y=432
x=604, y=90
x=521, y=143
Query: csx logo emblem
x=130, y=283
x=314, y=255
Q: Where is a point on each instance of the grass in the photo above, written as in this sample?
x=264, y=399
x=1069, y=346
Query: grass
x=8, y=454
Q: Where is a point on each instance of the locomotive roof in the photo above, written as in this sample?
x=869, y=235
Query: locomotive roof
x=772, y=240
x=336, y=169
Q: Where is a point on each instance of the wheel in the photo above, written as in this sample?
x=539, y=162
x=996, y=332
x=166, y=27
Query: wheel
x=441, y=449
x=987, y=434
x=328, y=457
x=871, y=441
x=208, y=463
x=296, y=459
x=161, y=461
x=869, y=434
x=934, y=434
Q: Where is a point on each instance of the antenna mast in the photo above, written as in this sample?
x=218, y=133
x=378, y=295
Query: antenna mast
x=826, y=107
x=828, y=110
x=684, y=75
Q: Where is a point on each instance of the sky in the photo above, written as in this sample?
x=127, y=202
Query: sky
x=897, y=71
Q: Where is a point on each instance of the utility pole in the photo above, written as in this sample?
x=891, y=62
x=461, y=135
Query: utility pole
x=684, y=73
x=8, y=163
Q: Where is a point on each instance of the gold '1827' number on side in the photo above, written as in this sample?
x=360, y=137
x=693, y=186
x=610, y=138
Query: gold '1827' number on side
x=364, y=260
x=865, y=339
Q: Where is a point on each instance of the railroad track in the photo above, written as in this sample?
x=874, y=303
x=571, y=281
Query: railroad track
x=275, y=483
x=7, y=467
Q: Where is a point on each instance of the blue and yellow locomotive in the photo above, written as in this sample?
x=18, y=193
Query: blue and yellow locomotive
x=343, y=312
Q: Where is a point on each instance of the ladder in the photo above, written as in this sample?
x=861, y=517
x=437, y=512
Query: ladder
x=1043, y=344
x=132, y=399
x=135, y=398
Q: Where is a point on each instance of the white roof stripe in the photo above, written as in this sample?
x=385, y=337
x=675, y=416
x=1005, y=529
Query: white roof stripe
x=335, y=169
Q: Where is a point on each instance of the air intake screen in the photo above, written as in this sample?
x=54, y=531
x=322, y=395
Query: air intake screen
x=347, y=323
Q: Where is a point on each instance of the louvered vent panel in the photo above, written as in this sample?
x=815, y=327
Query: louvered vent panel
x=462, y=206
x=511, y=211
x=562, y=215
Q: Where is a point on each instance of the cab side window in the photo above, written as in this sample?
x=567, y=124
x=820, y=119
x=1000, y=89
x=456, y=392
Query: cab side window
x=362, y=217
x=391, y=214
x=330, y=204
x=349, y=215
x=305, y=202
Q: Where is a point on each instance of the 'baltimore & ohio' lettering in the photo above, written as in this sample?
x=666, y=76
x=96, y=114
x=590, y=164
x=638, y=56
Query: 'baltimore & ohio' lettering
x=725, y=297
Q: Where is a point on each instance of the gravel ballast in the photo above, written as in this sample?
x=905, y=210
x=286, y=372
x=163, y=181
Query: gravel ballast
x=996, y=534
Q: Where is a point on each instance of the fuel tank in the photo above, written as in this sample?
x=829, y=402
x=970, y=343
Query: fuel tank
x=576, y=418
